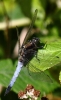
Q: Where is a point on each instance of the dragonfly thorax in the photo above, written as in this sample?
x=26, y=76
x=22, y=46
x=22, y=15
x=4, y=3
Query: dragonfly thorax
x=29, y=50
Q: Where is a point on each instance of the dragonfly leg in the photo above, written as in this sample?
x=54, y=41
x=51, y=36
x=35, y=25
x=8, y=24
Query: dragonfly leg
x=36, y=57
x=28, y=68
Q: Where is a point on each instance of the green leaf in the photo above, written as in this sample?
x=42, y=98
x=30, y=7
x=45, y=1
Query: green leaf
x=60, y=77
x=7, y=71
x=49, y=56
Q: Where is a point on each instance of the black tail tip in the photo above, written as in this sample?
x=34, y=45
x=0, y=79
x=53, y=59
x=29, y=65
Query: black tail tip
x=7, y=90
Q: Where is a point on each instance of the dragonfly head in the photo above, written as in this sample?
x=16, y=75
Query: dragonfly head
x=35, y=40
x=38, y=43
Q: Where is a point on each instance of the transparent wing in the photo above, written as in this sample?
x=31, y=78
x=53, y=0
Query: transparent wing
x=31, y=26
x=29, y=31
x=38, y=74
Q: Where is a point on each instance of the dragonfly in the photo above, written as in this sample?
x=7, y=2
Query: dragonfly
x=26, y=52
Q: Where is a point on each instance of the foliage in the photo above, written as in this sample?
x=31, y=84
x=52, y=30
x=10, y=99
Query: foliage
x=49, y=25
x=60, y=76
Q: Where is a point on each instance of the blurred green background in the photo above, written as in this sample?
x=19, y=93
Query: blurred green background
x=47, y=27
